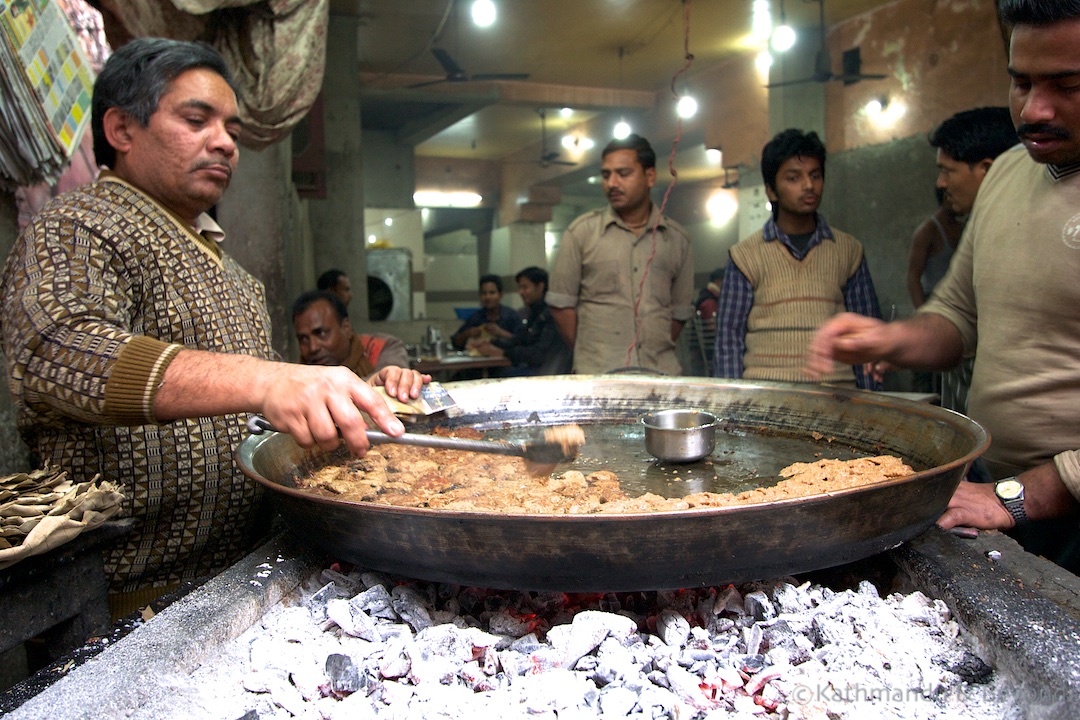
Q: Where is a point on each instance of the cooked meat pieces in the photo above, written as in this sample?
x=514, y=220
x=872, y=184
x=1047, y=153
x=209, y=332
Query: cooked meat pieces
x=409, y=476
x=568, y=437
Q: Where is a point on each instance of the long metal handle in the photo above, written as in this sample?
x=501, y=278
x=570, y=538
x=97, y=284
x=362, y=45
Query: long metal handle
x=257, y=425
x=446, y=443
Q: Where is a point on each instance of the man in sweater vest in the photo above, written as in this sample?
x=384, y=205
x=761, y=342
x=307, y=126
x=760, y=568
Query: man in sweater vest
x=785, y=280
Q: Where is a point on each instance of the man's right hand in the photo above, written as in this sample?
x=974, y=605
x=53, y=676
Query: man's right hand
x=314, y=404
x=848, y=339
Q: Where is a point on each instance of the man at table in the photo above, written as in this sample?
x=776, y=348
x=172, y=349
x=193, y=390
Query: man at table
x=136, y=348
x=326, y=337
x=536, y=348
x=492, y=320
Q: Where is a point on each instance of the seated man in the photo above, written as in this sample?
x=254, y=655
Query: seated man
x=337, y=282
x=492, y=320
x=536, y=348
x=326, y=337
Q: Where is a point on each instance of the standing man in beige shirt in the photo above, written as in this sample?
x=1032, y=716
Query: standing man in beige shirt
x=623, y=282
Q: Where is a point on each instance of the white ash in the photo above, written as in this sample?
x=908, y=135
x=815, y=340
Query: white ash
x=361, y=645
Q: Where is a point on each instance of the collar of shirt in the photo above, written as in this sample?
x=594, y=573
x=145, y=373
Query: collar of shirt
x=205, y=226
x=821, y=232
x=612, y=218
x=1060, y=172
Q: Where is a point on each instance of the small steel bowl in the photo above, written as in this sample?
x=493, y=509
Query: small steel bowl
x=680, y=435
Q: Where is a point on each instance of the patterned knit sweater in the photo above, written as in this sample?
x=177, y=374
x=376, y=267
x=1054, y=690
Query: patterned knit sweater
x=791, y=299
x=100, y=292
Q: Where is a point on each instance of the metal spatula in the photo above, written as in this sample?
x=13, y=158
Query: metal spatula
x=541, y=452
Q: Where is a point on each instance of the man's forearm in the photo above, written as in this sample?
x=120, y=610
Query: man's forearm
x=204, y=384
x=926, y=341
x=566, y=320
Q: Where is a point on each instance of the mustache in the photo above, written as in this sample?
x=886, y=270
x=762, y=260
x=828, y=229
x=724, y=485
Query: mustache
x=1043, y=129
x=223, y=164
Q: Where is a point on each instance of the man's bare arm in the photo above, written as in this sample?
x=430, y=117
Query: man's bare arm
x=310, y=402
x=566, y=320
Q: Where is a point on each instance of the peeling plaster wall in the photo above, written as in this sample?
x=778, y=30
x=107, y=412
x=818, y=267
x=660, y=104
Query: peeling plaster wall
x=942, y=56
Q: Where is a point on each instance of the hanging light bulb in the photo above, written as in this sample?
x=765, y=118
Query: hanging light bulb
x=783, y=38
x=621, y=130
x=686, y=107
x=783, y=35
x=483, y=13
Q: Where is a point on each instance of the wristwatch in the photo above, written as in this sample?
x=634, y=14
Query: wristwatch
x=1010, y=492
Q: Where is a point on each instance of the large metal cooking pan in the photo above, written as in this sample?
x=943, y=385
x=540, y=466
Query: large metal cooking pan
x=652, y=550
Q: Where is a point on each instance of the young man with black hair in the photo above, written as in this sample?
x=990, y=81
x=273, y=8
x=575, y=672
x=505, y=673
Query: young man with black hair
x=536, y=348
x=492, y=320
x=622, y=286
x=1011, y=290
x=783, y=281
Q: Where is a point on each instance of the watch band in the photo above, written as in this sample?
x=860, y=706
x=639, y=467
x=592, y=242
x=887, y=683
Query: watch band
x=1010, y=492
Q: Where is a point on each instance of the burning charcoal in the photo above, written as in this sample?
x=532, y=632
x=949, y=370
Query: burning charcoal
x=395, y=663
x=730, y=602
x=395, y=630
x=574, y=641
x=340, y=612
x=828, y=631
x=317, y=602
x=745, y=704
x=347, y=585
x=363, y=626
x=970, y=668
x=687, y=687
x=526, y=644
x=260, y=681
x=617, y=701
x=780, y=637
x=344, y=677
x=751, y=664
x=791, y=599
x=504, y=622
x=411, y=606
x=868, y=589
x=374, y=579
x=758, y=606
x=658, y=702
x=376, y=602
x=586, y=664
x=753, y=637
x=288, y=697
x=672, y=628
x=514, y=663
x=766, y=675
x=618, y=626
x=720, y=625
x=395, y=694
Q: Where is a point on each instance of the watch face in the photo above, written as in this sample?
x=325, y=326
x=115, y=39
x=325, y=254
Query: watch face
x=1009, y=489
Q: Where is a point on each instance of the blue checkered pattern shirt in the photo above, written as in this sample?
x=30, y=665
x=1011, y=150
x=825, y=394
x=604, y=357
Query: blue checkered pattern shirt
x=737, y=297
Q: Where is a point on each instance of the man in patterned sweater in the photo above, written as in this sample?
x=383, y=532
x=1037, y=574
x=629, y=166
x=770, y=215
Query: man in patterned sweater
x=785, y=280
x=136, y=347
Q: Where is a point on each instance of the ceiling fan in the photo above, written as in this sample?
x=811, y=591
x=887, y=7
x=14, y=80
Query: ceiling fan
x=455, y=74
x=851, y=62
x=547, y=158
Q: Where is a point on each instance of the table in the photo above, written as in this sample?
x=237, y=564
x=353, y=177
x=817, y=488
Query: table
x=456, y=362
